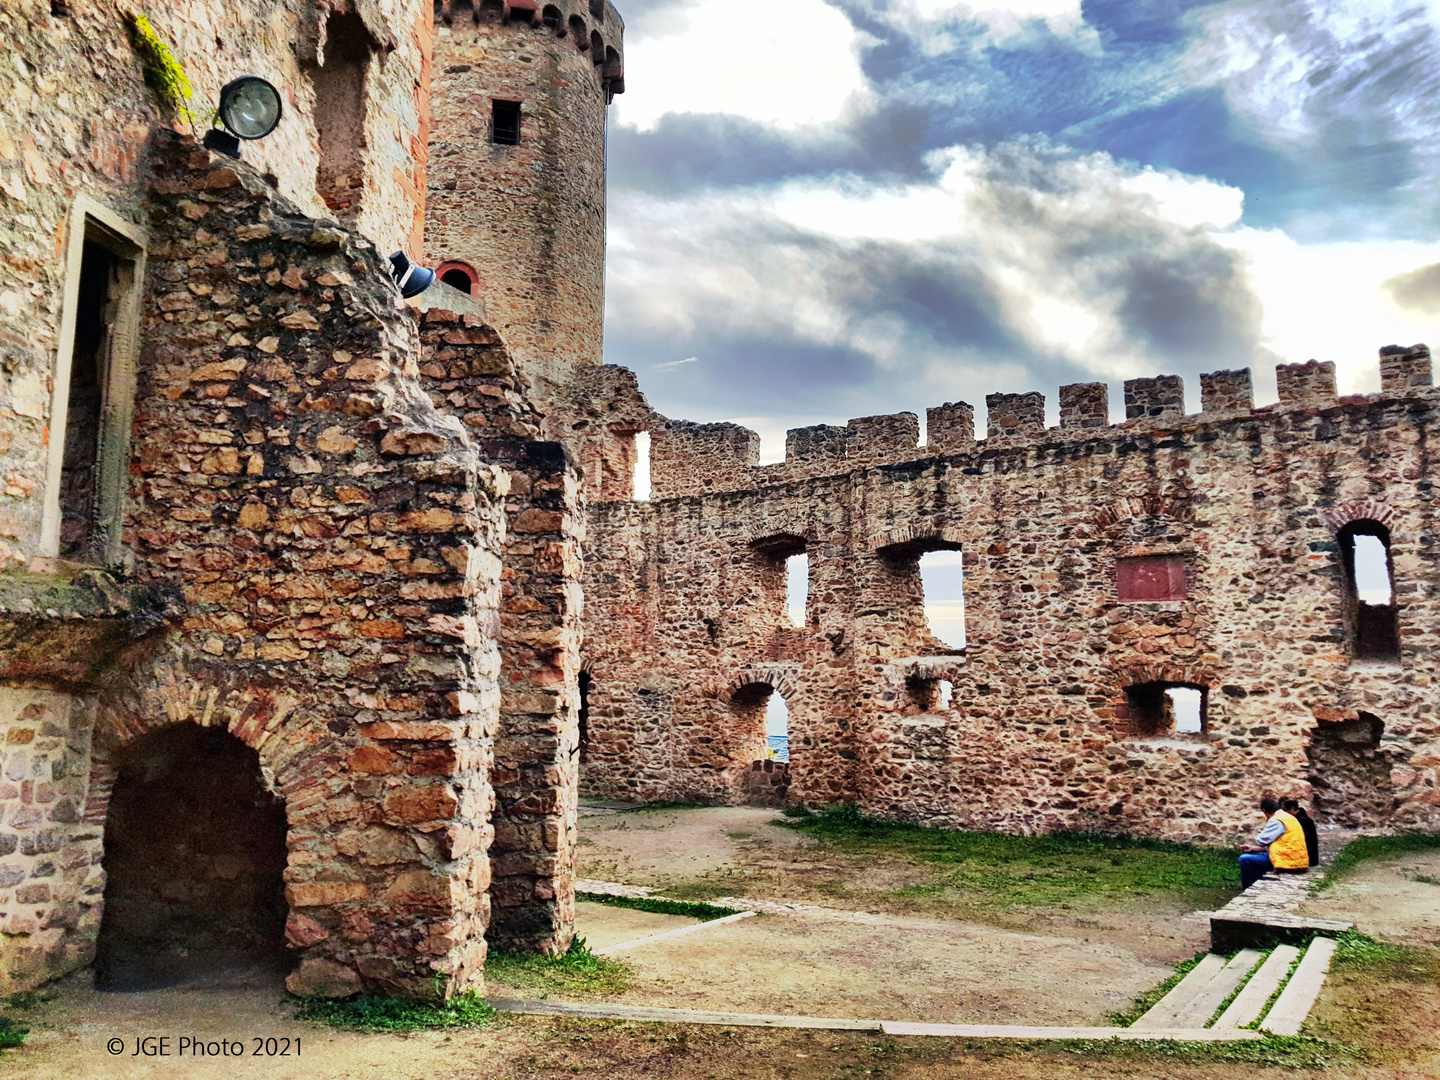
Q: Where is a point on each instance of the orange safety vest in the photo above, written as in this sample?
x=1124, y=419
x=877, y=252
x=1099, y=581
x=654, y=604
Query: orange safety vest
x=1289, y=851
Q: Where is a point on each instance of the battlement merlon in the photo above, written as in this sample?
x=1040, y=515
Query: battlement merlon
x=596, y=29
x=691, y=459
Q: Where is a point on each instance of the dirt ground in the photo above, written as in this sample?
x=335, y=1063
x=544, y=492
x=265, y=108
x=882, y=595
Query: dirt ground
x=714, y=852
x=1395, y=899
x=865, y=954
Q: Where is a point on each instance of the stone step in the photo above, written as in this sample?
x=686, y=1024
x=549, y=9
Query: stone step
x=1296, y=1000
x=888, y=1027
x=1198, y=1013
x=1163, y=1013
x=679, y=931
x=1251, y=1001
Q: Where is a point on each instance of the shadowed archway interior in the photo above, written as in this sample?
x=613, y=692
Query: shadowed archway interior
x=194, y=857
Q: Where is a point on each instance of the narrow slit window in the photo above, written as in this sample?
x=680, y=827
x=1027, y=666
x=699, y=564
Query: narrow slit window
x=942, y=581
x=640, y=481
x=777, y=728
x=505, y=123
x=947, y=693
x=797, y=587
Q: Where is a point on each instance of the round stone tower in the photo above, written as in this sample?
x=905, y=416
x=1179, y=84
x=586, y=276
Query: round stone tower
x=515, y=201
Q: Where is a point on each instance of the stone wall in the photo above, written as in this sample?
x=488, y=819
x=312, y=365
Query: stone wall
x=471, y=375
x=78, y=121
x=685, y=608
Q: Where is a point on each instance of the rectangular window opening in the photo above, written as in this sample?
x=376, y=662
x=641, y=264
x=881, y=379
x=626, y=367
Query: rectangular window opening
x=93, y=399
x=640, y=479
x=942, y=583
x=1158, y=709
x=797, y=587
x=505, y=123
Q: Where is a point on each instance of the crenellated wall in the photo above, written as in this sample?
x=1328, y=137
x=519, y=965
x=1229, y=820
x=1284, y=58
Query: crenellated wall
x=686, y=627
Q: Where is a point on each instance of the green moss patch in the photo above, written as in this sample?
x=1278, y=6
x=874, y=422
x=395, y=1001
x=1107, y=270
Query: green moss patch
x=690, y=909
x=578, y=971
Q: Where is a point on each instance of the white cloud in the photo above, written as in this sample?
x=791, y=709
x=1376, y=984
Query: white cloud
x=673, y=364
x=1063, y=250
x=788, y=64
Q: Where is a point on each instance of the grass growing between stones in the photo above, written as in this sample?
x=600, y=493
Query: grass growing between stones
x=1006, y=871
x=690, y=909
x=1364, y=848
x=578, y=971
x=1143, y=1003
x=370, y=1013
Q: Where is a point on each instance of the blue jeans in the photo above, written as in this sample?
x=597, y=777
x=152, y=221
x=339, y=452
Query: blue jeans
x=1253, y=867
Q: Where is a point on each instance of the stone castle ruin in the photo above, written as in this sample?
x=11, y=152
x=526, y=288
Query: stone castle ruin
x=295, y=663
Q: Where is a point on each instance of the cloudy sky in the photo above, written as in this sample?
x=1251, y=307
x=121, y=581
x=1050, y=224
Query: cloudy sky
x=821, y=210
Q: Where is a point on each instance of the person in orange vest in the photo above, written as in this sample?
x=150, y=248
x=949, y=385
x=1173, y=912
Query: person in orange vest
x=1280, y=845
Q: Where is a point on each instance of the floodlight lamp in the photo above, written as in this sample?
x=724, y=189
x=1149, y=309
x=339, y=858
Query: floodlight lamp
x=249, y=107
x=412, y=278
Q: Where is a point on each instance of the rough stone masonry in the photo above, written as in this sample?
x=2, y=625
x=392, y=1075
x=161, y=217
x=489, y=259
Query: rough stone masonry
x=300, y=585
x=270, y=536
x=1105, y=565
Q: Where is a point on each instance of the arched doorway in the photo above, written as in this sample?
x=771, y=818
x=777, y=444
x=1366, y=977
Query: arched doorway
x=194, y=857
x=762, y=719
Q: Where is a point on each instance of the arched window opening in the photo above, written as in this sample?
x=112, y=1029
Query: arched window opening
x=597, y=10
x=460, y=276
x=491, y=11
x=947, y=693
x=522, y=16
x=194, y=858
x=1159, y=709
x=340, y=115
x=640, y=478
x=597, y=48
x=1371, y=613
x=552, y=19
x=583, y=716
x=797, y=587
x=579, y=33
x=942, y=580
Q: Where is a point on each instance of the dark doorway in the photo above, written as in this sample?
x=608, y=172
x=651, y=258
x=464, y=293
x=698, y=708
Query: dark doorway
x=194, y=853
x=584, y=715
x=1350, y=773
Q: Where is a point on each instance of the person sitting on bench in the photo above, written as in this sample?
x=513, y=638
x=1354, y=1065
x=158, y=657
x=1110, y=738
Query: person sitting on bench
x=1280, y=846
x=1307, y=823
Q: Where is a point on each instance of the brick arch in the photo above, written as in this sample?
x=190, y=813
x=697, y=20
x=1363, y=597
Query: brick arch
x=464, y=268
x=166, y=692
x=1337, y=517
x=1166, y=671
x=918, y=536
x=1175, y=507
x=781, y=678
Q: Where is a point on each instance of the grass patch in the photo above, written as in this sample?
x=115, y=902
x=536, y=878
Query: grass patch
x=370, y=1013
x=578, y=971
x=12, y=1035
x=1364, y=848
x=691, y=909
x=1146, y=1001
x=1041, y=870
x=1282, y=1051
